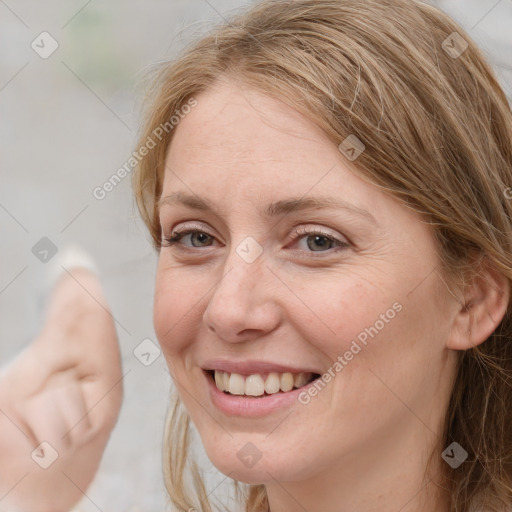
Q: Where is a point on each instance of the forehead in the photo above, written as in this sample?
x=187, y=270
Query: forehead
x=232, y=121
x=241, y=147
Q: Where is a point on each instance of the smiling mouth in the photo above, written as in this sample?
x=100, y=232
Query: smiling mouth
x=259, y=385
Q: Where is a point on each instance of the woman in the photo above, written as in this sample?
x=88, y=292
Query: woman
x=375, y=375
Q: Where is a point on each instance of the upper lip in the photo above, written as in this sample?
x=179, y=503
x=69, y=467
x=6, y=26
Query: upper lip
x=253, y=367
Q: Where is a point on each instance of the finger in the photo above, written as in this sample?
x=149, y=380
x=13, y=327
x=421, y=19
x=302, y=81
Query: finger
x=46, y=420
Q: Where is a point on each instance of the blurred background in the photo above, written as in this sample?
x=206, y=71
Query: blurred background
x=68, y=121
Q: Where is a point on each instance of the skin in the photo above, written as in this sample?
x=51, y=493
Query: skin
x=362, y=443
x=65, y=389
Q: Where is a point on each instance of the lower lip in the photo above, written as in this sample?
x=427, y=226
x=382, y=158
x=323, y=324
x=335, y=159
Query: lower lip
x=241, y=405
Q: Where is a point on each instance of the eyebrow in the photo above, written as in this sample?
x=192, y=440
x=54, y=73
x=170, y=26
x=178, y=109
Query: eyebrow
x=274, y=209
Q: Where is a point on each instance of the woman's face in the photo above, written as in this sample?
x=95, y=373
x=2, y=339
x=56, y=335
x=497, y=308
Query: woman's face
x=295, y=266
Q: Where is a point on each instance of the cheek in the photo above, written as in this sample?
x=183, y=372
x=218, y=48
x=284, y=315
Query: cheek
x=386, y=345
x=335, y=311
x=370, y=328
x=175, y=310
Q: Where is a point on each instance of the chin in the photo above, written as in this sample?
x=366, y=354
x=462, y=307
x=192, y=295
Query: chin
x=257, y=461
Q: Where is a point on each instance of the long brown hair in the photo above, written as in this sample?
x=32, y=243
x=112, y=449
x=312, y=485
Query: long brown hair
x=407, y=81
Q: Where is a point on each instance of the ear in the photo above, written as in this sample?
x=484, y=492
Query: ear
x=485, y=302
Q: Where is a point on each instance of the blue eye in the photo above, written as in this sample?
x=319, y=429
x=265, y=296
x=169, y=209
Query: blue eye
x=178, y=235
x=315, y=239
x=321, y=239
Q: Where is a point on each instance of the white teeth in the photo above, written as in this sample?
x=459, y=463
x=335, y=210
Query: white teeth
x=219, y=380
x=300, y=380
x=286, y=382
x=236, y=384
x=273, y=383
x=225, y=381
x=256, y=385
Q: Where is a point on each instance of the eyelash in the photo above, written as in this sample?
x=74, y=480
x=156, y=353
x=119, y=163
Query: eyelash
x=299, y=233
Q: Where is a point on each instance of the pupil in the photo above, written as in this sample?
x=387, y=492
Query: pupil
x=317, y=238
x=202, y=237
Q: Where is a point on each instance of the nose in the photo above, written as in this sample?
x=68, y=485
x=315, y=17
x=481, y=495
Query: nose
x=242, y=306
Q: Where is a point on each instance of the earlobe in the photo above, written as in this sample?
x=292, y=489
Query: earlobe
x=484, y=305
